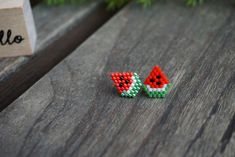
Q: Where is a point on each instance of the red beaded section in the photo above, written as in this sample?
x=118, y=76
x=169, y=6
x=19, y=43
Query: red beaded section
x=122, y=80
x=156, y=78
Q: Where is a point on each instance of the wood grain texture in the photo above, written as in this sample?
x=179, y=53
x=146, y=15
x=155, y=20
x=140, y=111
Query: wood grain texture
x=75, y=111
x=60, y=31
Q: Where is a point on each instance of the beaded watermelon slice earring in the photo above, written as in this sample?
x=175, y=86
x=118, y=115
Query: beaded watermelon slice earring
x=128, y=84
x=156, y=84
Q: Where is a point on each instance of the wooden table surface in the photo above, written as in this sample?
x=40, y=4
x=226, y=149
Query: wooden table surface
x=75, y=111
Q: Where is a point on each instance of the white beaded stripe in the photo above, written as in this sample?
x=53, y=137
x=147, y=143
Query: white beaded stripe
x=132, y=84
x=157, y=89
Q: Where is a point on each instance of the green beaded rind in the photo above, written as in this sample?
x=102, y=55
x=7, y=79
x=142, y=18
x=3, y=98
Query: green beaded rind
x=134, y=91
x=156, y=94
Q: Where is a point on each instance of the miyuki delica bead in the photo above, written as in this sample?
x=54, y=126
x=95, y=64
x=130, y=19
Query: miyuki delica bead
x=156, y=84
x=128, y=84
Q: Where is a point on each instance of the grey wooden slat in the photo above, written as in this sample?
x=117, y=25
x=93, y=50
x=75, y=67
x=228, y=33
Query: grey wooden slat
x=60, y=30
x=74, y=110
x=229, y=149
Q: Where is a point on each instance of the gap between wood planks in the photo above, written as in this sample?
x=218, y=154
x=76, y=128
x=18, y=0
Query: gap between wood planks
x=38, y=66
x=35, y=2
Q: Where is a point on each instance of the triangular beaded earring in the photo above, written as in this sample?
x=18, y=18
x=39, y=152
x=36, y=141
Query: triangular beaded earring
x=156, y=84
x=128, y=84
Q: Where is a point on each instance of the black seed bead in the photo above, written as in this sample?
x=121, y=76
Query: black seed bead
x=121, y=78
x=158, y=77
x=158, y=83
x=152, y=80
x=121, y=84
x=126, y=81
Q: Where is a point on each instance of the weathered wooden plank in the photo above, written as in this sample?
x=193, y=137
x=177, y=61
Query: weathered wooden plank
x=60, y=30
x=74, y=111
x=228, y=150
x=227, y=142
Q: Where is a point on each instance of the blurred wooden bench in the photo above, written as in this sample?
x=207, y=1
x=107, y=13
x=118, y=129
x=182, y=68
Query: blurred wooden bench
x=60, y=30
x=74, y=110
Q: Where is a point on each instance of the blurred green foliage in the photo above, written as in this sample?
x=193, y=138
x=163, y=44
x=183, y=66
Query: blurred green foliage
x=112, y=4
